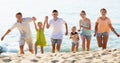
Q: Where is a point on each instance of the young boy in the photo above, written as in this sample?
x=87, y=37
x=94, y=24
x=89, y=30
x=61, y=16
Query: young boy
x=23, y=26
x=57, y=33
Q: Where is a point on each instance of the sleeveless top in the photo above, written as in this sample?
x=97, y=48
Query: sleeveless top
x=85, y=31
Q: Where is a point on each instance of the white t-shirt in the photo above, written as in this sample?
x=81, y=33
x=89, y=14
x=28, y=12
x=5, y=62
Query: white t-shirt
x=24, y=28
x=57, y=28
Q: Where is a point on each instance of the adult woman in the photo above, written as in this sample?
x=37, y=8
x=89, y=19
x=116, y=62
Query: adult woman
x=102, y=29
x=85, y=25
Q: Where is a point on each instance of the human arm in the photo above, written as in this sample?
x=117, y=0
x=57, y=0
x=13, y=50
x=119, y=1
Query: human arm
x=71, y=36
x=96, y=28
x=46, y=22
x=44, y=26
x=35, y=26
x=8, y=31
x=78, y=37
x=30, y=19
x=79, y=26
x=66, y=27
x=113, y=30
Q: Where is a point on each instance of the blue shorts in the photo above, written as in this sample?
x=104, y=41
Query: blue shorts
x=74, y=44
x=86, y=36
x=102, y=34
x=56, y=41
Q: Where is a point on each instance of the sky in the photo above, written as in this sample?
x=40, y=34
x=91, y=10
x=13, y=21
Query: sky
x=8, y=8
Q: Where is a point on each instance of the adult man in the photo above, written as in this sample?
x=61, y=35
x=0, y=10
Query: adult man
x=57, y=33
x=23, y=26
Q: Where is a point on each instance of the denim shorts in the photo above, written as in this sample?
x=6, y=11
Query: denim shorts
x=102, y=34
x=74, y=44
x=56, y=41
x=86, y=36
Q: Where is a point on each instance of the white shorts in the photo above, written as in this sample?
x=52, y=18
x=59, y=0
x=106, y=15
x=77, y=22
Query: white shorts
x=28, y=41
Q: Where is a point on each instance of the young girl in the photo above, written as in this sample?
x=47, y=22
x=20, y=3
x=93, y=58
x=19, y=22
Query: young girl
x=40, y=37
x=75, y=39
x=85, y=25
x=102, y=29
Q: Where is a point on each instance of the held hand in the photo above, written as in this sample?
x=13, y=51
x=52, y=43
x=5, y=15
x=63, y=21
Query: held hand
x=46, y=19
x=34, y=18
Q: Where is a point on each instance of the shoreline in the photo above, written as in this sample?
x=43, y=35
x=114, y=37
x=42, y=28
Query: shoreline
x=102, y=56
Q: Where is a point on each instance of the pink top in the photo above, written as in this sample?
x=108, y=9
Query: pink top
x=103, y=25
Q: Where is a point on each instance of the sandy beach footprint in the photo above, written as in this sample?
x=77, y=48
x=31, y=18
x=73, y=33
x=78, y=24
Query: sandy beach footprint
x=5, y=59
x=34, y=60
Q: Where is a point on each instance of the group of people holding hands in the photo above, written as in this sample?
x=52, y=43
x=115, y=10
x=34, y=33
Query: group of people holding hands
x=102, y=29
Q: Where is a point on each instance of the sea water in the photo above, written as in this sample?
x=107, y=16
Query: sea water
x=69, y=10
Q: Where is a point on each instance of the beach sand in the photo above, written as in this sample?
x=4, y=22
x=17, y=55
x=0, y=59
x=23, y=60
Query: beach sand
x=103, y=56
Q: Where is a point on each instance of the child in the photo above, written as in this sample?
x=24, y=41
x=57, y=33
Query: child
x=75, y=39
x=40, y=37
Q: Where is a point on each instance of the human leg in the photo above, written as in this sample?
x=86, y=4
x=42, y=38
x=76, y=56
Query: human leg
x=105, y=40
x=53, y=41
x=99, y=40
x=59, y=41
x=88, y=38
x=35, y=48
x=21, y=43
x=83, y=43
x=30, y=45
x=42, y=49
x=77, y=45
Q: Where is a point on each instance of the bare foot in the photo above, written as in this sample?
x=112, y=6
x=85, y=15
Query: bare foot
x=32, y=51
